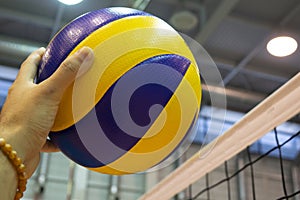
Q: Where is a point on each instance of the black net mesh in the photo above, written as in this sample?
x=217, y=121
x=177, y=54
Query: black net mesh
x=241, y=177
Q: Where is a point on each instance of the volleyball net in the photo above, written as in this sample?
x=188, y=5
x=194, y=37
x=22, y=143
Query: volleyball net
x=246, y=168
x=276, y=109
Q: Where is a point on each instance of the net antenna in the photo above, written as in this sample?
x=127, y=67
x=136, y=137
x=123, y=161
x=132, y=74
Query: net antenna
x=279, y=107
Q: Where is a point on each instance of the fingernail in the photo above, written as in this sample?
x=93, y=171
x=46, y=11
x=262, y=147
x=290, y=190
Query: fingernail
x=42, y=49
x=84, y=53
x=87, y=56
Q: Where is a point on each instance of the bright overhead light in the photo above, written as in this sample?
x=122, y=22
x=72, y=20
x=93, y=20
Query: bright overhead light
x=70, y=2
x=282, y=46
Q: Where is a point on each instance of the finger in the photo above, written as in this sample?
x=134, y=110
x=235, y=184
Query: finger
x=29, y=66
x=49, y=147
x=77, y=63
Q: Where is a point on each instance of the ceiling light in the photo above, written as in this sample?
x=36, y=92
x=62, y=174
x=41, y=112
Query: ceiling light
x=70, y=2
x=282, y=46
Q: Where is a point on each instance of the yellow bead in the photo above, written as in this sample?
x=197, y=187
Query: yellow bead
x=7, y=148
x=2, y=142
x=19, y=195
x=21, y=168
x=22, y=183
x=17, y=161
x=12, y=155
x=22, y=188
x=22, y=176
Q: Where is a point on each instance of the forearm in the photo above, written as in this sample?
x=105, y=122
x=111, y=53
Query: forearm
x=9, y=180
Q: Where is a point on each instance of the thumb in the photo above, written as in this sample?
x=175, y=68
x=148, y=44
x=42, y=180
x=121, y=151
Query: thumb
x=74, y=66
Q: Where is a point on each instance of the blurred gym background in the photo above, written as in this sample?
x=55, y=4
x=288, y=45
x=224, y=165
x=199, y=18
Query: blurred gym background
x=235, y=33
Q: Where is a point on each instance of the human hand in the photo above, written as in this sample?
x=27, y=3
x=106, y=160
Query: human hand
x=30, y=109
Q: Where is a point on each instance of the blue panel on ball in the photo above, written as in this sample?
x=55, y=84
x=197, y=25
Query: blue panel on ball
x=149, y=95
x=70, y=144
x=177, y=62
x=154, y=81
x=69, y=37
x=154, y=93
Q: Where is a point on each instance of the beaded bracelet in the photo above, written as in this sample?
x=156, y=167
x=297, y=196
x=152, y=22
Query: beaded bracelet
x=18, y=165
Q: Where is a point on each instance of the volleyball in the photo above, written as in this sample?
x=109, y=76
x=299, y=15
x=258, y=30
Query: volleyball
x=139, y=100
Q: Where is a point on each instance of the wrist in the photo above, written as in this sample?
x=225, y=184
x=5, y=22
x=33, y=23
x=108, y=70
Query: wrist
x=19, y=169
x=15, y=136
x=9, y=179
